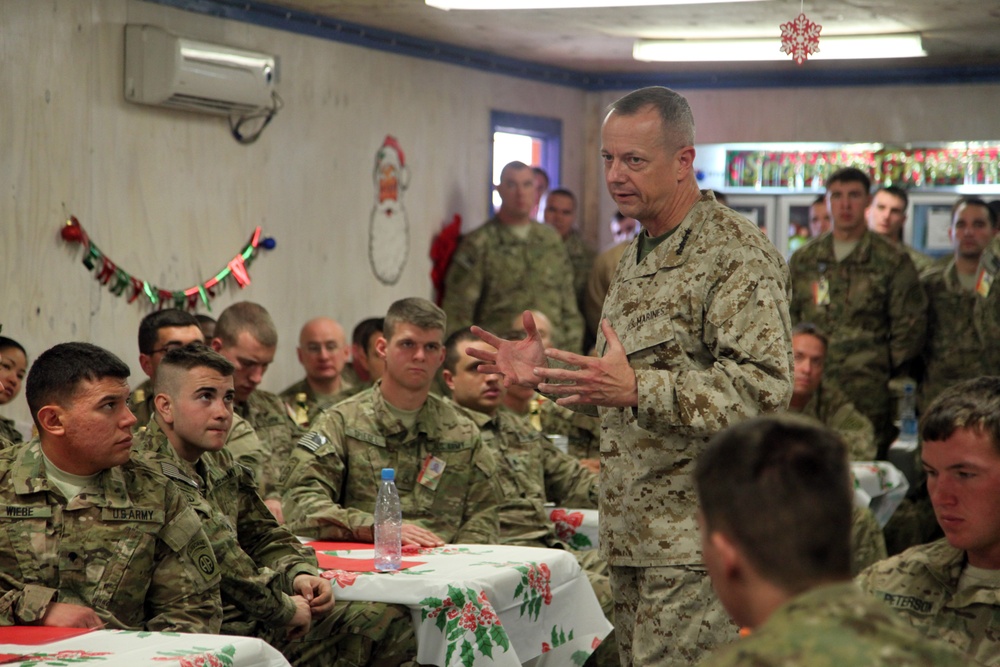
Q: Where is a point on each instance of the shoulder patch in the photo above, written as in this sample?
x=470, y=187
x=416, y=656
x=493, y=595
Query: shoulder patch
x=173, y=472
x=312, y=441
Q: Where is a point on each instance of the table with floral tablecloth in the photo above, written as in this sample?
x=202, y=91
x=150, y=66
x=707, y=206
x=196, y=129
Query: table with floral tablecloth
x=879, y=486
x=577, y=528
x=26, y=647
x=480, y=604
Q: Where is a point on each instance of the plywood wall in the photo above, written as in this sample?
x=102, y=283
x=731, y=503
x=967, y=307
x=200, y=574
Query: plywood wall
x=172, y=197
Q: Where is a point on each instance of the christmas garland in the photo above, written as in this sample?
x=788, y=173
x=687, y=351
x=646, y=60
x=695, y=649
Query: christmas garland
x=119, y=281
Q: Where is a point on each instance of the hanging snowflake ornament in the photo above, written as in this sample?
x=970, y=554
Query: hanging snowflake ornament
x=800, y=38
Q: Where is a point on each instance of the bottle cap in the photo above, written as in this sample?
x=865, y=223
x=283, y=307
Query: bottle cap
x=388, y=474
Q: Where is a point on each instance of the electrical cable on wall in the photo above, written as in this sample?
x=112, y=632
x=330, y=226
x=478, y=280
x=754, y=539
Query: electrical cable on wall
x=236, y=122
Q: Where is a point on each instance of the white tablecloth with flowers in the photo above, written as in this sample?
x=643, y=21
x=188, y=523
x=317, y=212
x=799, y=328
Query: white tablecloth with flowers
x=485, y=604
x=122, y=648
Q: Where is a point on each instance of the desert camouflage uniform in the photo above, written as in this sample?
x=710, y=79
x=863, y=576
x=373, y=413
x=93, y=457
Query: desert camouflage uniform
x=833, y=626
x=333, y=475
x=704, y=322
x=531, y=472
x=986, y=315
x=581, y=258
x=494, y=276
x=922, y=584
x=583, y=431
x=867, y=541
x=831, y=407
x=9, y=435
x=277, y=432
x=954, y=351
x=598, y=283
x=259, y=561
x=129, y=547
x=313, y=405
x=876, y=319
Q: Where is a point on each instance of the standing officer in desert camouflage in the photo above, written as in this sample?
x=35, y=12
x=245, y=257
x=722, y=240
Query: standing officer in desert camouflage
x=270, y=588
x=955, y=350
x=91, y=539
x=444, y=473
x=511, y=264
x=774, y=509
x=695, y=336
x=865, y=294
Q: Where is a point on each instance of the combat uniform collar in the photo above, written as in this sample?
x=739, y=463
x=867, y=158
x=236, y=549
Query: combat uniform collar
x=29, y=478
x=945, y=563
x=388, y=425
x=675, y=250
x=861, y=254
x=206, y=472
x=505, y=236
x=950, y=276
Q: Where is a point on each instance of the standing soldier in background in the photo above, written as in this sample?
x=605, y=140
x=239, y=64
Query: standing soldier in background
x=512, y=264
x=695, y=336
x=865, y=294
x=886, y=216
x=560, y=214
x=955, y=350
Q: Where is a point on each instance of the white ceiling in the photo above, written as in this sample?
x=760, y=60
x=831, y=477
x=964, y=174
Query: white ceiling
x=962, y=34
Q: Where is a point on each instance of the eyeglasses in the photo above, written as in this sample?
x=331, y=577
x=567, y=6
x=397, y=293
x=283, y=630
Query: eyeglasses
x=166, y=348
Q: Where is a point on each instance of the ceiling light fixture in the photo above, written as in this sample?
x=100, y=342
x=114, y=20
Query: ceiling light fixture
x=564, y=4
x=834, y=47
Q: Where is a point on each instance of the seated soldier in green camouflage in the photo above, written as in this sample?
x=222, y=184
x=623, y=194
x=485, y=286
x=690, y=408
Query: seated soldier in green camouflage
x=323, y=352
x=89, y=538
x=445, y=475
x=531, y=471
x=13, y=367
x=774, y=509
x=169, y=329
x=820, y=398
x=245, y=335
x=270, y=588
x=950, y=589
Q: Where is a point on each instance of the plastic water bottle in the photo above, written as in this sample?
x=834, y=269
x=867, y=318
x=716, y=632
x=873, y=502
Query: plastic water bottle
x=903, y=452
x=388, y=524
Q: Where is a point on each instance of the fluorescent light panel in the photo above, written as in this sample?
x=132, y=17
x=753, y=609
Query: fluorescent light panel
x=564, y=4
x=834, y=47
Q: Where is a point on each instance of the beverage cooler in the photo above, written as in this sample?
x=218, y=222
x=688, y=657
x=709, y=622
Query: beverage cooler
x=774, y=184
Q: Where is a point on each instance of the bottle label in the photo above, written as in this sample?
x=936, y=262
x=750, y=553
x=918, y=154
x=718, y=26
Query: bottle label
x=430, y=473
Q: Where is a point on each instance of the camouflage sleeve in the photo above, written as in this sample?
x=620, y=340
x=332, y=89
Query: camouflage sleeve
x=247, y=449
x=463, y=286
x=269, y=544
x=986, y=312
x=570, y=322
x=567, y=483
x=312, y=480
x=794, y=300
x=747, y=332
x=856, y=430
x=481, y=521
x=907, y=314
x=255, y=591
x=867, y=541
x=21, y=604
x=183, y=593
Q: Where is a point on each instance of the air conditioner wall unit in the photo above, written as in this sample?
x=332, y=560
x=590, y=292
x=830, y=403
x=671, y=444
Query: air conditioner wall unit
x=166, y=70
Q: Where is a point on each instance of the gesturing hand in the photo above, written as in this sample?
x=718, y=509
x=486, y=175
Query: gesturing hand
x=607, y=381
x=515, y=359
